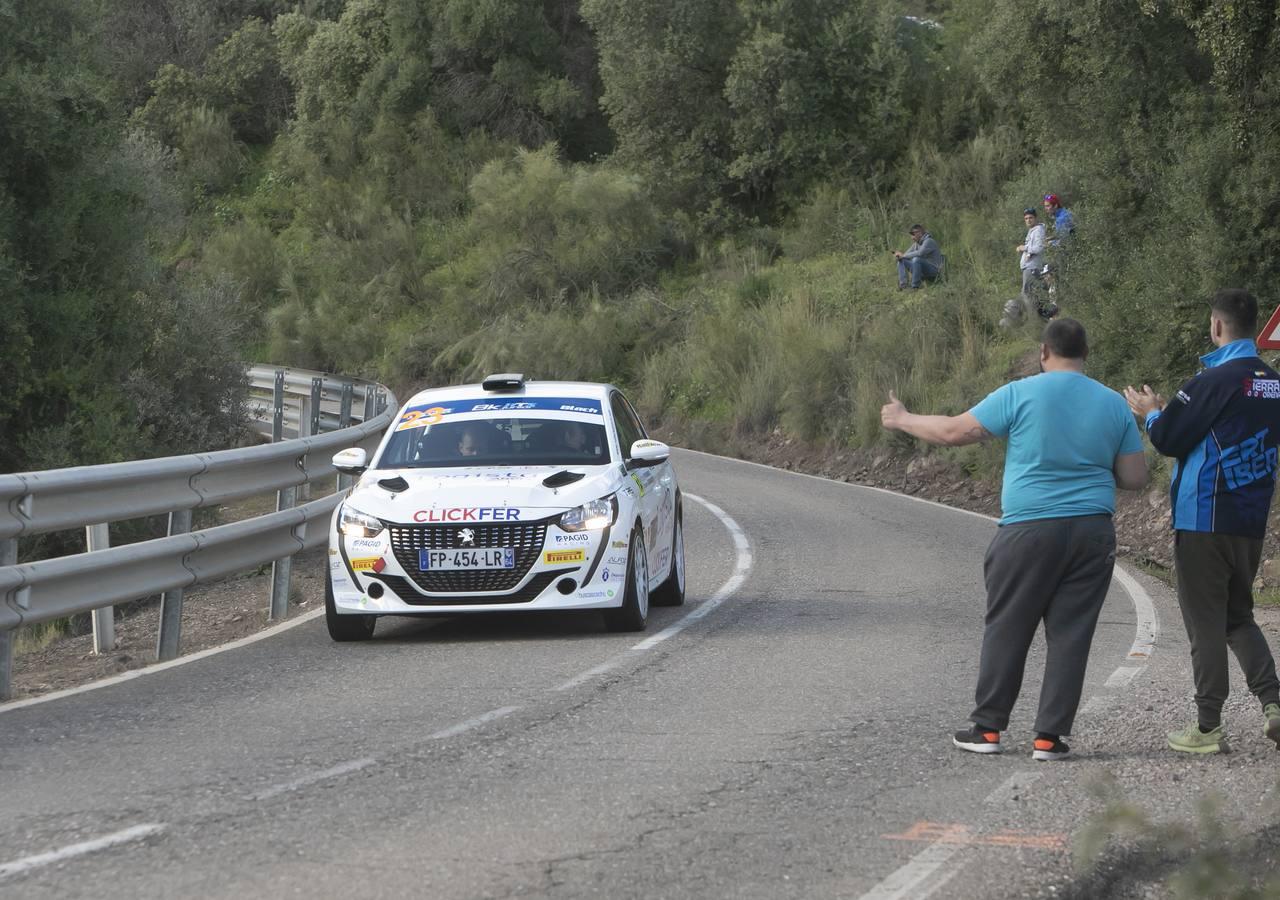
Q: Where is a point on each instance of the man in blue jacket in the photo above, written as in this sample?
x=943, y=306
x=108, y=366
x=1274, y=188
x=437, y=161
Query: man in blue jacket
x=1223, y=427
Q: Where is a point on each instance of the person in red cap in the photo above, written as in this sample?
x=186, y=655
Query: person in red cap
x=1064, y=224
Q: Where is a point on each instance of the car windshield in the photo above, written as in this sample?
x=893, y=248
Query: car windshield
x=515, y=441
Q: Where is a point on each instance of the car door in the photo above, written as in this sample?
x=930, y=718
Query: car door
x=654, y=484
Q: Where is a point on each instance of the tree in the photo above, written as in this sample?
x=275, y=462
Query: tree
x=664, y=67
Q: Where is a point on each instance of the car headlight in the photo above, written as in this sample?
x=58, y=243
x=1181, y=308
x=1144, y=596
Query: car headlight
x=354, y=523
x=590, y=516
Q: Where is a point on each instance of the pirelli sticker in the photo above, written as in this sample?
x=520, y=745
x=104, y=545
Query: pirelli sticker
x=373, y=564
x=560, y=557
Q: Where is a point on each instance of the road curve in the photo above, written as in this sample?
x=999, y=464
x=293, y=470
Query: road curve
x=790, y=740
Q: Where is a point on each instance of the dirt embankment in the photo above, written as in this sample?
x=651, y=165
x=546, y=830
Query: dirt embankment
x=1142, y=519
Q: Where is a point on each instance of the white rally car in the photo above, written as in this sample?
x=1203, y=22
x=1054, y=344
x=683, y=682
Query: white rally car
x=508, y=495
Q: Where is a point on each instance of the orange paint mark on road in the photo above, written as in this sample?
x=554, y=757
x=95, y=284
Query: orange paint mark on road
x=942, y=833
x=934, y=833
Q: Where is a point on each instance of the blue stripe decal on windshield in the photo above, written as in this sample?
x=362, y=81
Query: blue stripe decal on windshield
x=431, y=413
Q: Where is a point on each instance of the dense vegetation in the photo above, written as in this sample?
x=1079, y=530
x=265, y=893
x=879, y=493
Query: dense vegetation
x=693, y=199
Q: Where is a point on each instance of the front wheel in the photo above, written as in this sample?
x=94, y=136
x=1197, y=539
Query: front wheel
x=344, y=628
x=633, y=615
x=671, y=591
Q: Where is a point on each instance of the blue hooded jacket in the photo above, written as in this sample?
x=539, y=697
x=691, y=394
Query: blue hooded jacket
x=1223, y=428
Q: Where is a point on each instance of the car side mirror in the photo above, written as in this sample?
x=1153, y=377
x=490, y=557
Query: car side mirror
x=352, y=461
x=648, y=453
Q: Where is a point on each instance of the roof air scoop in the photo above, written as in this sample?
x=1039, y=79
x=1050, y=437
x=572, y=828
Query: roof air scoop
x=560, y=479
x=510, y=381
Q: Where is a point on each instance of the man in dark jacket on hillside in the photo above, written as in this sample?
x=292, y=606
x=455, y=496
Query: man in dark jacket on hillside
x=1223, y=427
x=922, y=260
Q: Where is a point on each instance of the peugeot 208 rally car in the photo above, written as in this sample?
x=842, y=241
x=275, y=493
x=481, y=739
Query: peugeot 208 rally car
x=507, y=495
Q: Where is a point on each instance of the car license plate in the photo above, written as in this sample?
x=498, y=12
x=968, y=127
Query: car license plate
x=455, y=560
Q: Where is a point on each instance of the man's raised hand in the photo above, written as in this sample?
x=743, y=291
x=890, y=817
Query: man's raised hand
x=892, y=412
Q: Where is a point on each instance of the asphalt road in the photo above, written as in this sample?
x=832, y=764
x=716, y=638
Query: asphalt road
x=785, y=734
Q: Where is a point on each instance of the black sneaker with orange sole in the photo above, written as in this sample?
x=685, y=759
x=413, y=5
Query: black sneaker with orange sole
x=978, y=740
x=1047, y=748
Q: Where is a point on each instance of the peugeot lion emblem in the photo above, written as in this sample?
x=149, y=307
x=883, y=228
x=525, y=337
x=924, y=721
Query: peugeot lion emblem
x=467, y=537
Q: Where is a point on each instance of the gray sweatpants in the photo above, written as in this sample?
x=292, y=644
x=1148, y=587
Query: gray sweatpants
x=1215, y=590
x=1055, y=571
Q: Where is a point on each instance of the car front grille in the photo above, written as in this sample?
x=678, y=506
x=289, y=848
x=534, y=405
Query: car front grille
x=537, y=584
x=525, y=538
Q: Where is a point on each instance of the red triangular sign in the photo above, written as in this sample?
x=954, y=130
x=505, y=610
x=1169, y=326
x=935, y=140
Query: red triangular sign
x=1269, y=336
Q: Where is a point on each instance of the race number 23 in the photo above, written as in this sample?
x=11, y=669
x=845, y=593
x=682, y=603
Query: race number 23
x=418, y=418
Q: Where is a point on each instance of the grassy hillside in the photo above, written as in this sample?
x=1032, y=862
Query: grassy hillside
x=697, y=202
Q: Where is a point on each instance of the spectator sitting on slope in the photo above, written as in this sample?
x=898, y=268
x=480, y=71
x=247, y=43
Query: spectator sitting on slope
x=922, y=260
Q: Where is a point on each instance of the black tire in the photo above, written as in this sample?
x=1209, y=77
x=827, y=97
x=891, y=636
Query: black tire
x=671, y=591
x=345, y=628
x=633, y=615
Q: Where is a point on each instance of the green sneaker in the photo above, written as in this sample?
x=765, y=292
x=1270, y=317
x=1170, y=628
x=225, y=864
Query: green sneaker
x=1192, y=740
x=1272, y=728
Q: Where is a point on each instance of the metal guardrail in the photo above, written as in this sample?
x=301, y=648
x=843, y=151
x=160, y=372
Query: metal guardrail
x=284, y=402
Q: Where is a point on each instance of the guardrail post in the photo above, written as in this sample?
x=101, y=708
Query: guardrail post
x=344, y=421
x=8, y=557
x=98, y=537
x=170, y=636
x=382, y=402
x=282, y=569
x=344, y=410
x=309, y=423
x=277, y=408
x=317, y=390
x=369, y=403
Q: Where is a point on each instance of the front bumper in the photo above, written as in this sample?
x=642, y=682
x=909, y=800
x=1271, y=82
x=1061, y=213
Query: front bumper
x=546, y=558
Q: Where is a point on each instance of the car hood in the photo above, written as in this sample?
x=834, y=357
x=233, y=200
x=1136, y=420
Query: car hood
x=477, y=488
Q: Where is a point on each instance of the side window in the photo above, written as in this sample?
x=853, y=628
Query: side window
x=635, y=420
x=629, y=430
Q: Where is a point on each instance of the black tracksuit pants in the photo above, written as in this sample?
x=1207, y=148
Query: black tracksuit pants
x=1055, y=571
x=1215, y=590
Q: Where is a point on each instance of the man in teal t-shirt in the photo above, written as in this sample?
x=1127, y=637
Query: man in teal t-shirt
x=1071, y=442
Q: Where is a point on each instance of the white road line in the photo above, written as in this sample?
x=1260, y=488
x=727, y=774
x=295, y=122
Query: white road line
x=1122, y=676
x=1147, y=625
x=1148, y=630
x=910, y=880
x=463, y=727
x=741, y=568
x=27, y=863
x=356, y=765
x=1013, y=786
x=164, y=666
x=345, y=768
x=596, y=671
